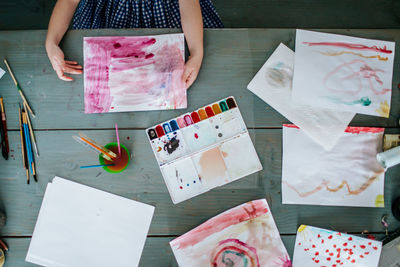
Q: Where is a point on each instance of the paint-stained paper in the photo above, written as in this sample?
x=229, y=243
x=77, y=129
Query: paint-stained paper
x=347, y=175
x=242, y=236
x=273, y=84
x=1, y=73
x=316, y=247
x=134, y=73
x=343, y=73
x=81, y=226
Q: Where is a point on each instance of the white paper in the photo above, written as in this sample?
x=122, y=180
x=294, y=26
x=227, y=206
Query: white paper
x=344, y=73
x=273, y=84
x=82, y=226
x=320, y=247
x=1, y=73
x=245, y=235
x=348, y=175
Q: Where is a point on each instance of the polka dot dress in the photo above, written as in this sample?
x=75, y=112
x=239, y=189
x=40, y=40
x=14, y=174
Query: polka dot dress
x=95, y=14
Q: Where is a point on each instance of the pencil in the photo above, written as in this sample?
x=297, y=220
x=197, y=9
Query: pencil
x=19, y=88
x=31, y=132
x=23, y=151
x=30, y=150
x=28, y=147
x=4, y=122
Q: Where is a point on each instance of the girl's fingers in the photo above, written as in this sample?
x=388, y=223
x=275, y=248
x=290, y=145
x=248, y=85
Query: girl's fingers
x=71, y=62
x=72, y=70
x=62, y=76
x=191, y=79
x=78, y=67
x=185, y=74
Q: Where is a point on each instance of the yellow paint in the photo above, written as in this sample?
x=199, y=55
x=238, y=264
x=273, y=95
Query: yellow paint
x=2, y=258
x=356, y=54
x=379, y=201
x=384, y=109
x=216, y=109
x=302, y=228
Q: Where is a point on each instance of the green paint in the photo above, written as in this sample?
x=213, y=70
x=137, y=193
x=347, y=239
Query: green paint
x=229, y=263
x=223, y=106
x=364, y=101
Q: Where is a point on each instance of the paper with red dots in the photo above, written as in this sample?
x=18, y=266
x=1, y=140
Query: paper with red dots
x=326, y=248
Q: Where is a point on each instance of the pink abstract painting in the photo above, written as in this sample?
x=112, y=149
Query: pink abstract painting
x=243, y=236
x=134, y=73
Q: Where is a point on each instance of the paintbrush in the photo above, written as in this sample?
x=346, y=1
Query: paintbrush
x=31, y=132
x=19, y=88
x=23, y=150
x=119, y=145
x=6, y=149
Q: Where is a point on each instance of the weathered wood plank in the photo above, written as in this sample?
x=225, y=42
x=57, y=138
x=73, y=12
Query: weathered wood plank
x=25, y=14
x=61, y=155
x=232, y=57
x=156, y=252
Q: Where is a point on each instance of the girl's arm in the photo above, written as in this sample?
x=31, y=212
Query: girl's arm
x=58, y=25
x=192, y=25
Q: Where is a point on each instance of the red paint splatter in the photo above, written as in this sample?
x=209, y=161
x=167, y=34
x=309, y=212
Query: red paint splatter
x=330, y=237
x=328, y=259
x=361, y=256
x=334, y=246
x=327, y=250
x=366, y=253
x=196, y=136
x=316, y=253
x=352, y=46
x=322, y=241
x=128, y=138
x=181, y=187
x=370, y=243
x=344, y=244
x=331, y=254
x=313, y=246
x=375, y=248
x=319, y=235
x=353, y=261
x=350, y=238
x=362, y=246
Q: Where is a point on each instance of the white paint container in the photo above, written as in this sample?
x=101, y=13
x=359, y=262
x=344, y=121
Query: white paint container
x=389, y=158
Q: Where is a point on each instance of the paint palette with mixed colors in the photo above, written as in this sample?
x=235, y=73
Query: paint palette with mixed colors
x=203, y=149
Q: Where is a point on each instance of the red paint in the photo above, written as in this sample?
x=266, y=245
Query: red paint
x=370, y=243
x=209, y=112
x=327, y=250
x=188, y=120
x=366, y=253
x=128, y=138
x=195, y=117
x=159, y=131
x=375, y=248
x=331, y=254
x=334, y=246
x=354, y=246
x=218, y=223
x=361, y=256
x=196, y=136
x=328, y=259
x=322, y=241
x=351, y=46
x=319, y=235
x=316, y=261
x=350, y=238
x=330, y=237
x=316, y=253
x=344, y=244
x=353, y=261
x=313, y=246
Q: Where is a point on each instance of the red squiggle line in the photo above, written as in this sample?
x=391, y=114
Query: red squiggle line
x=351, y=46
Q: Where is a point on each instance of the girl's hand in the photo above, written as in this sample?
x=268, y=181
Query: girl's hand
x=60, y=65
x=192, y=68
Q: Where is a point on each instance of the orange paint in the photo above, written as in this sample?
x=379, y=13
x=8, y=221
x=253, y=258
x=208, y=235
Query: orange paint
x=202, y=114
x=212, y=165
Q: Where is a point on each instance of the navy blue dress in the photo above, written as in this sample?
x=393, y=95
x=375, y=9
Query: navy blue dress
x=95, y=14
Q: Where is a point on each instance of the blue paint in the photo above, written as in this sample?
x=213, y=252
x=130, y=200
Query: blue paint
x=363, y=101
x=167, y=127
x=174, y=125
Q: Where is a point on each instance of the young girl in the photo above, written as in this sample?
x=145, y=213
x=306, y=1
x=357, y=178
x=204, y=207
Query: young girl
x=94, y=14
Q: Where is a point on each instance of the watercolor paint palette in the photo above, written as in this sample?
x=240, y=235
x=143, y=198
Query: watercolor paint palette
x=203, y=149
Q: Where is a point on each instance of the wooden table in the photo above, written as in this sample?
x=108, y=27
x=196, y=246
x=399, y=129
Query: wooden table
x=232, y=57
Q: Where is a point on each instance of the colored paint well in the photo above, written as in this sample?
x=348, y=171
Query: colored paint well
x=167, y=127
x=159, y=131
x=152, y=134
x=202, y=114
x=209, y=112
x=216, y=109
x=174, y=125
x=223, y=105
x=181, y=122
x=188, y=120
x=231, y=103
x=195, y=117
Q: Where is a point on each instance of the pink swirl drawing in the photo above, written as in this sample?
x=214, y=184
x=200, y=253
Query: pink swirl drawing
x=350, y=76
x=235, y=253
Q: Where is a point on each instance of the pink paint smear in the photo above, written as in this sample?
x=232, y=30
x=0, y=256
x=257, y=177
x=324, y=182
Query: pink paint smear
x=245, y=212
x=106, y=56
x=350, y=129
x=351, y=46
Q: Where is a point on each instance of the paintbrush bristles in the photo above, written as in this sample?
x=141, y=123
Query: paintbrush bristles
x=11, y=73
